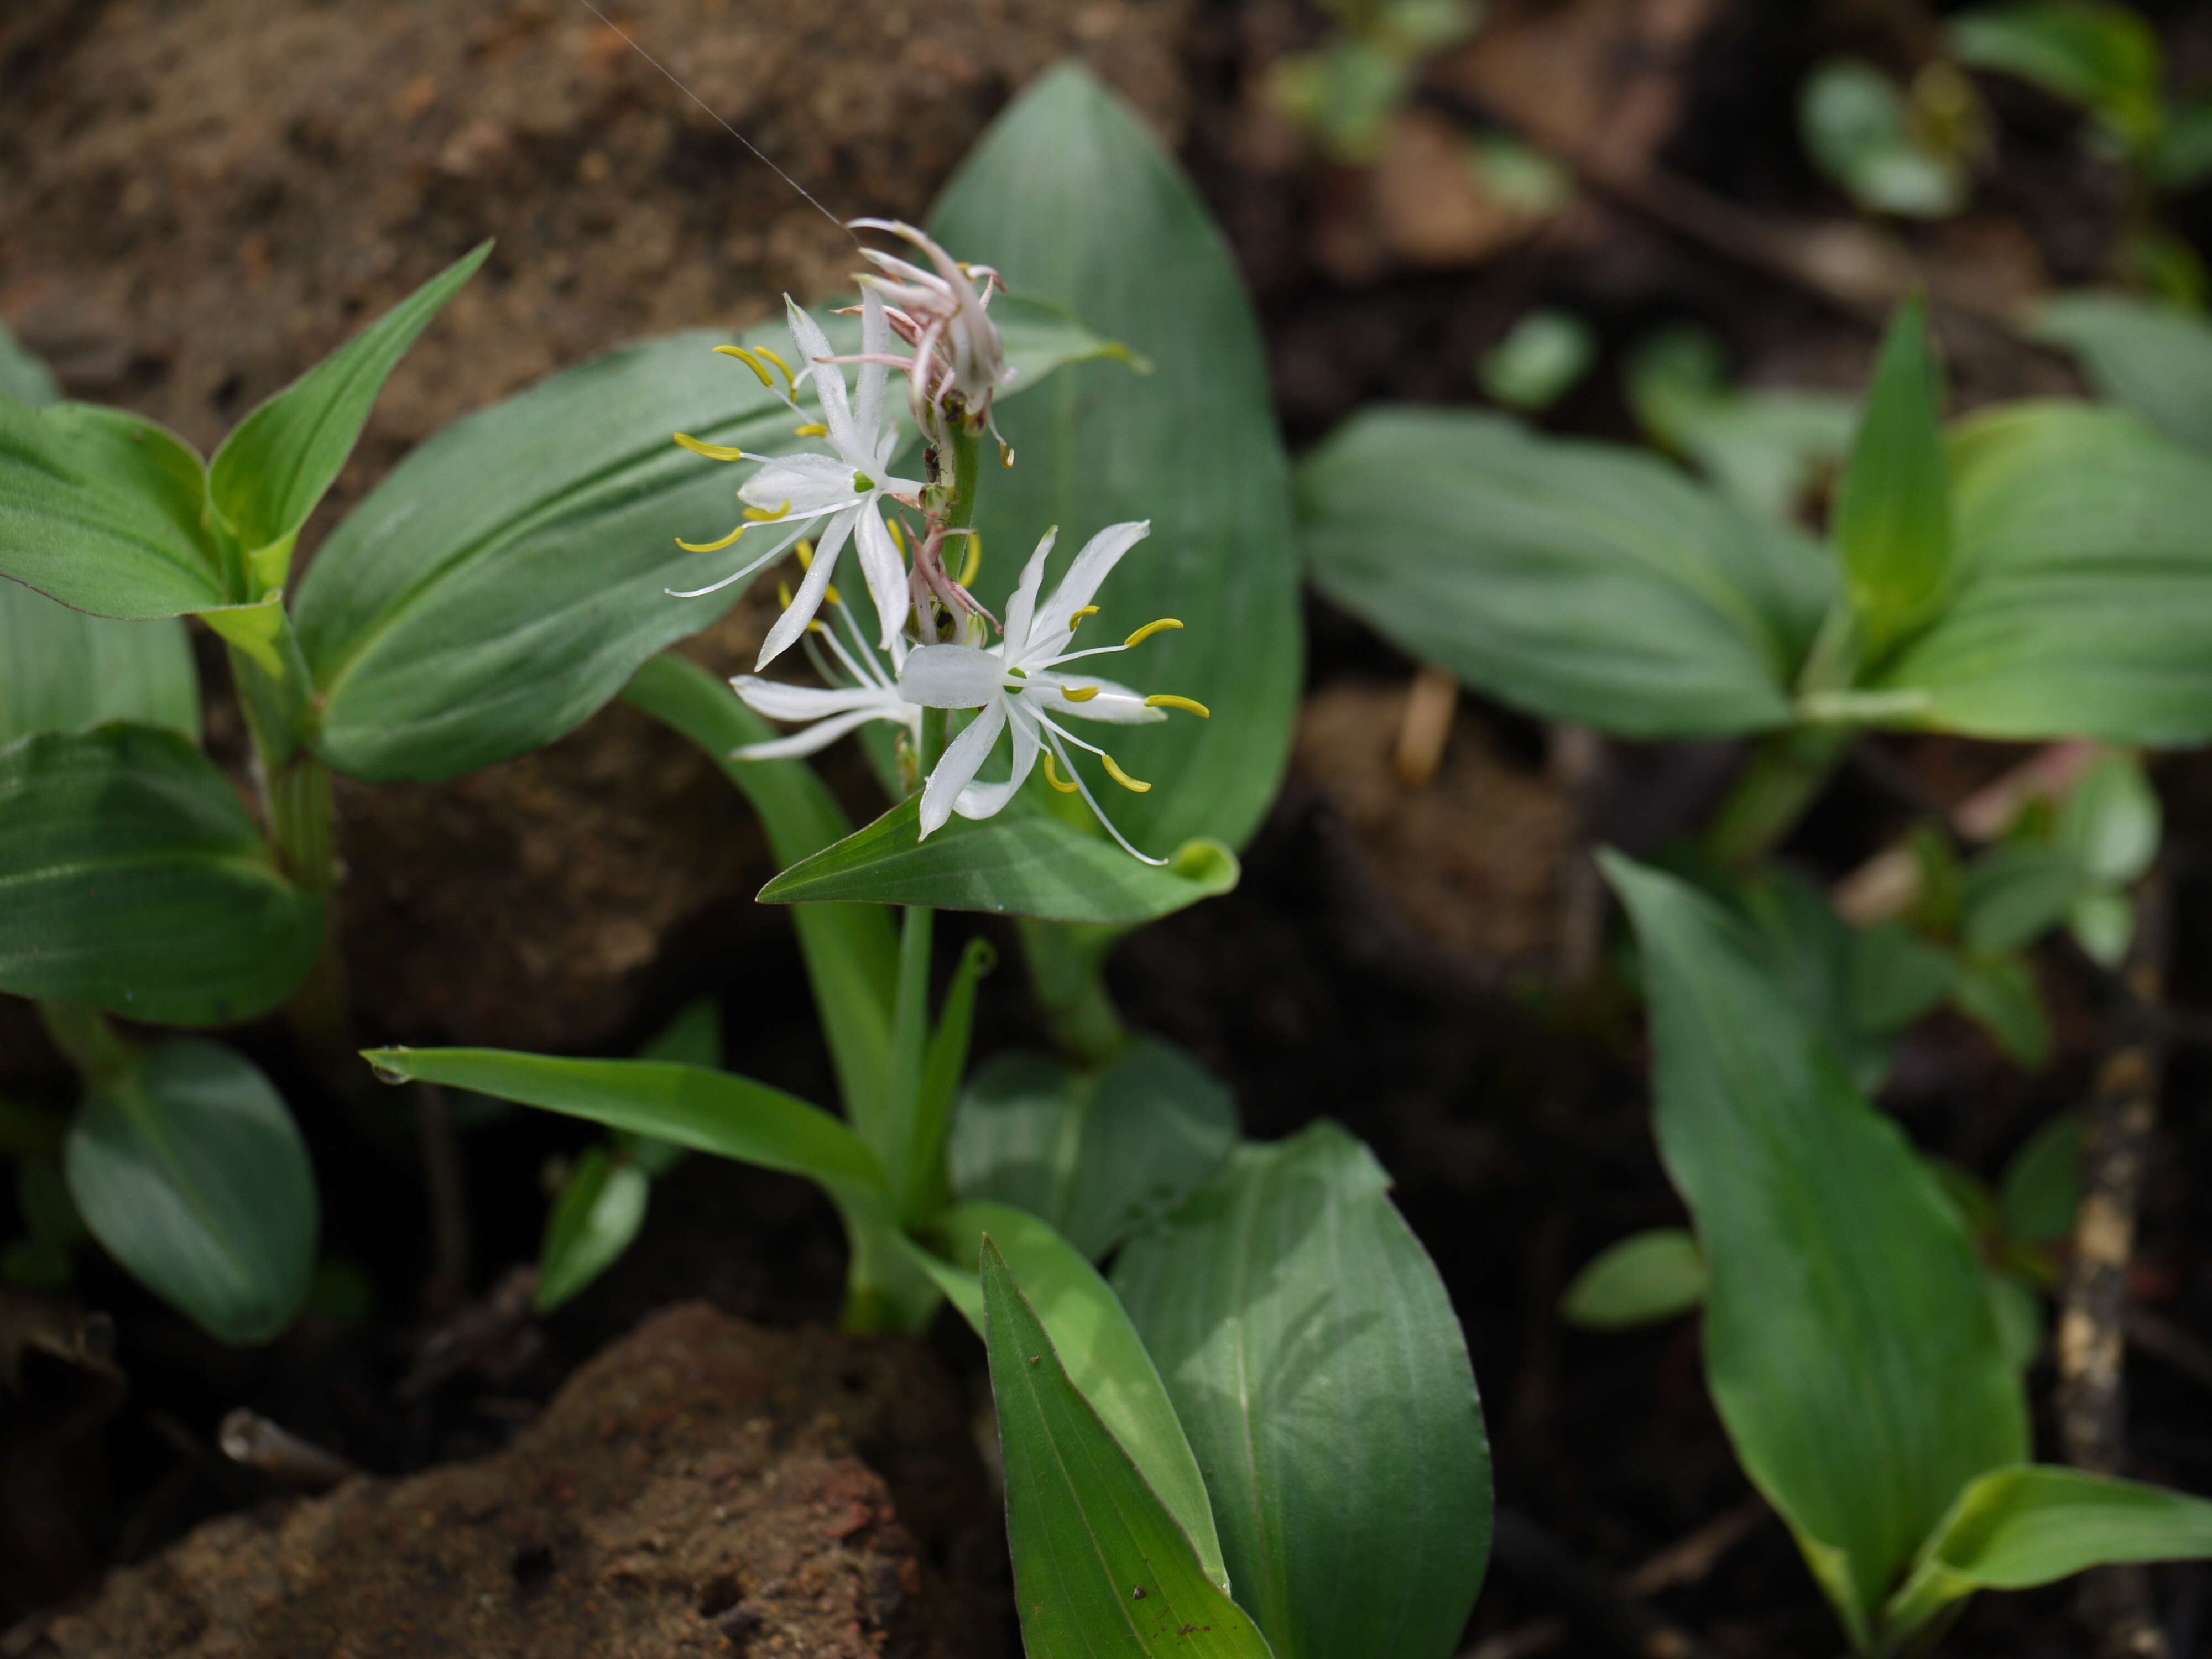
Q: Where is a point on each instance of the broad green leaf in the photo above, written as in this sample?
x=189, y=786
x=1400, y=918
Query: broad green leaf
x=2156, y=359
x=2103, y=923
x=1104, y=1357
x=1101, y=1568
x=1094, y=1152
x=1645, y=1277
x=135, y=881
x=852, y=958
x=276, y=464
x=2032, y=1524
x=1314, y=1359
x=1763, y=448
x=1539, y=360
x=1858, y=130
x=104, y=512
x=1896, y=976
x=1891, y=525
x=1578, y=581
x=594, y=1221
x=2097, y=53
x=1824, y=1235
x=1023, y=862
x=707, y=1111
x=2110, y=824
x=2043, y=1183
x=22, y=376
x=2018, y=892
x=188, y=1170
x=2084, y=584
x=1075, y=204
x=1997, y=992
x=1041, y=339
x=60, y=668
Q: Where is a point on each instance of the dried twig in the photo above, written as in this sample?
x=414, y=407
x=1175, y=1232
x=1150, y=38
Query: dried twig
x=2093, y=1318
x=1431, y=703
x=1689, y=1559
x=1588, y=1599
x=251, y=1439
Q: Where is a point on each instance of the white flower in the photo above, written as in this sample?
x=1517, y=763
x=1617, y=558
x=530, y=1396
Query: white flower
x=871, y=691
x=1019, y=687
x=842, y=493
x=957, y=347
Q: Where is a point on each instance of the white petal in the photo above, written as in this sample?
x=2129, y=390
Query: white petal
x=777, y=701
x=952, y=676
x=792, y=622
x=963, y=758
x=868, y=384
x=811, y=484
x=1115, y=705
x=884, y=572
x=1021, y=609
x=819, y=736
x=983, y=800
x=828, y=380
x=1092, y=565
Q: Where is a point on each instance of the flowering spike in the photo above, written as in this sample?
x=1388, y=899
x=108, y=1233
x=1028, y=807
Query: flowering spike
x=712, y=451
x=1168, y=699
x=1163, y=625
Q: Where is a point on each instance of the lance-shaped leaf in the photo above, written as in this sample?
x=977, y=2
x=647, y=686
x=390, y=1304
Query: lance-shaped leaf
x=135, y=881
x=694, y=1106
x=1825, y=1235
x=60, y=668
x=1893, y=516
x=1645, y=1277
x=2084, y=584
x=1580, y=581
x=1105, y=1355
x=2156, y=359
x=1094, y=1152
x=593, y=1220
x=1024, y=862
x=1101, y=1570
x=105, y=512
x=188, y=1168
x=1312, y=1357
x=2101, y=55
x=2018, y=1528
x=1075, y=204
x=275, y=464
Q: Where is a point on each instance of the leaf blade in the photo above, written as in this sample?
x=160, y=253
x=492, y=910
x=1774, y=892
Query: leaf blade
x=1893, y=516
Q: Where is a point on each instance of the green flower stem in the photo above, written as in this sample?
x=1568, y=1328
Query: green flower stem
x=967, y=477
x=87, y=1041
x=1067, y=976
x=1780, y=782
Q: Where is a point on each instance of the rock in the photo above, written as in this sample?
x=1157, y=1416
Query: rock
x=703, y=1487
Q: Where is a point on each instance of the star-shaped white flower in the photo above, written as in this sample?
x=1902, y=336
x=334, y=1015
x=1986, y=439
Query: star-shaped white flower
x=842, y=495
x=870, y=691
x=1019, y=687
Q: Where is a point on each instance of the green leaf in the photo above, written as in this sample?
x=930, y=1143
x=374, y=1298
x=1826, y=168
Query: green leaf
x=1825, y=1235
x=2017, y=1528
x=104, y=512
x=1312, y=1355
x=22, y=376
x=1041, y=339
x=594, y=1221
x=2156, y=359
x=851, y=955
x=915, y=1145
x=1023, y=862
x=60, y=668
x=1539, y=361
x=1101, y=1568
x=1076, y=203
x=188, y=1170
x=1104, y=1357
x=707, y=1111
x=2111, y=822
x=2016, y=893
x=1893, y=518
x=2184, y=160
x=1896, y=976
x=136, y=882
x=1998, y=994
x=2104, y=56
x=2103, y=923
x=694, y=1037
x=1645, y=1277
x=1578, y=581
x=278, y=463
x=2019, y=1312
x=1096, y=1153
x=2043, y=1183
x=1858, y=130
x=2084, y=591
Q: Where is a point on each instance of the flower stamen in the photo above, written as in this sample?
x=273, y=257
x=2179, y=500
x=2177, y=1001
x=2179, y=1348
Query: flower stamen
x=1076, y=620
x=730, y=540
x=712, y=451
x=1165, y=624
x=1168, y=699
x=1052, y=776
x=1113, y=771
x=1078, y=693
x=769, y=515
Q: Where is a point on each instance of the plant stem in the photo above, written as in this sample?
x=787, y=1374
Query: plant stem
x=967, y=477
x=1780, y=781
x=1067, y=974
x=87, y=1041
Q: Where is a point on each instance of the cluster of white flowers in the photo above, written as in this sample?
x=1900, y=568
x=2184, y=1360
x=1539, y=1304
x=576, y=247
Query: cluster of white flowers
x=956, y=365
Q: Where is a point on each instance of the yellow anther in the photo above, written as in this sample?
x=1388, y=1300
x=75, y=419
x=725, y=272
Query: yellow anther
x=752, y=361
x=817, y=628
x=1150, y=629
x=1078, y=693
x=1052, y=776
x=765, y=352
x=806, y=551
x=783, y=594
x=712, y=451
x=1163, y=700
x=811, y=429
x=1123, y=778
x=974, y=562
x=730, y=540
x=1076, y=620
x=769, y=515
x=898, y=535
x=830, y=592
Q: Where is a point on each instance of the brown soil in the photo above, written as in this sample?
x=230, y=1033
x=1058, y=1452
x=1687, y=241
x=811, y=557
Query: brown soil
x=700, y=1488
